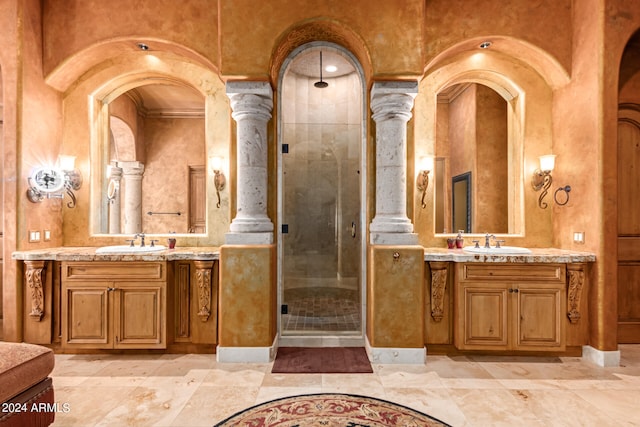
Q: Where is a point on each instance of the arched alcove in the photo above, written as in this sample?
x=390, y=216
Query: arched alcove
x=322, y=190
x=106, y=83
x=528, y=91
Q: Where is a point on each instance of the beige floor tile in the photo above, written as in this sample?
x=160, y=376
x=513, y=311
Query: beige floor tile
x=191, y=390
x=360, y=384
x=210, y=404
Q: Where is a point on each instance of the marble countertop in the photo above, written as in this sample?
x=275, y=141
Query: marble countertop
x=208, y=253
x=537, y=255
x=205, y=253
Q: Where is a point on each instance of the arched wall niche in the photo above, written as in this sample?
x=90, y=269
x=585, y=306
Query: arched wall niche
x=86, y=119
x=517, y=50
x=72, y=70
x=528, y=90
x=123, y=144
x=316, y=31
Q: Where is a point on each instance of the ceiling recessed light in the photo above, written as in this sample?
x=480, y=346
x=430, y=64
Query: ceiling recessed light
x=142, y=46
x=331, y=68
x=485, y=45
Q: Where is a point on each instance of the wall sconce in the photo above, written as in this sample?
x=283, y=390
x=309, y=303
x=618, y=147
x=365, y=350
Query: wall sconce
x=53, y=182
x=542, y=179
x=219, y=179
x=422, y=181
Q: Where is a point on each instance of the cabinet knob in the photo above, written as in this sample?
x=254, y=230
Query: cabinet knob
x=111, y=289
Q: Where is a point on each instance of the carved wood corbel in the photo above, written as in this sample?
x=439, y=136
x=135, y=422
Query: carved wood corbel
x=203, y=280
x=438, y=285
x=33, y=275
x=575, y=279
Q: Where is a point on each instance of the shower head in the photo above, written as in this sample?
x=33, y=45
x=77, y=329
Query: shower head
x=320, y=84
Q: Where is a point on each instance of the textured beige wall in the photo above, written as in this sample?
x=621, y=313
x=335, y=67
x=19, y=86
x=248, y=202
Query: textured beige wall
x=491, y=189
x=102, y=30
x=541, y=23
x=171, y=145
x=247, y=298
x=382, y=26
x=395, y=296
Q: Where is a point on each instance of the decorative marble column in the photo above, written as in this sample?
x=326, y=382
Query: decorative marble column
x=115, y=204
x=132, y=172
x=251, y=103
x=391, y=103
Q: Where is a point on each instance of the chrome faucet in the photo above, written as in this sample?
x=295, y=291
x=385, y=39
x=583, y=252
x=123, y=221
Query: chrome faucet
x=487, y=239
x=141, y=235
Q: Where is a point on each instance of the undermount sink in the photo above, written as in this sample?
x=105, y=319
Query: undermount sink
x=503, y=250
x=126, y=249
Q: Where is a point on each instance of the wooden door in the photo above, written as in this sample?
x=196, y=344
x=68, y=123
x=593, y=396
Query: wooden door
x=138, y=315
x=538, y=318
x=85, y=322
x=483, y=321
x=197, y=199
x=628, y=232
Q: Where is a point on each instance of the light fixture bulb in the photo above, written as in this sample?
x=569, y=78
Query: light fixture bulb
x=216, y=163
x=547, y=162
x=485, y=45
x=426, y=163
x=66, y=163
x=331, y=68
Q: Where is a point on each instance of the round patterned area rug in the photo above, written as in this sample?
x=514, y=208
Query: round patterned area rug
x=330, y=410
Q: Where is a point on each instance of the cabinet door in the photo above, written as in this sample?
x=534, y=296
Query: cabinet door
x=539, y=319
x=85, y=323
x=139, y=311
x=483, y=324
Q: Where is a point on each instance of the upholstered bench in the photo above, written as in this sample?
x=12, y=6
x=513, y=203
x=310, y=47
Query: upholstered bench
x=26, y=391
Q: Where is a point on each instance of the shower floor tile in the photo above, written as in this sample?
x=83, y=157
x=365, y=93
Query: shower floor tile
x=322, y=309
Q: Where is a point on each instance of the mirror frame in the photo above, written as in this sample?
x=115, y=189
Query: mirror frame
x=515, y=125
x=100, y=139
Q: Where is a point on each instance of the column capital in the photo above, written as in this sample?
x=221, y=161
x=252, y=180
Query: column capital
x=393, y=99
x=132, y=167
x=250, y=99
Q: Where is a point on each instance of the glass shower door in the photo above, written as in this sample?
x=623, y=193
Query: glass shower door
x=321, y=231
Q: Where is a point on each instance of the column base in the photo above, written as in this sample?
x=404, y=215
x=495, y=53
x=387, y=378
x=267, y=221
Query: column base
x=261, y=238
x=606, y=359
x=399, y=239
x=247, y=354
x=390, y=355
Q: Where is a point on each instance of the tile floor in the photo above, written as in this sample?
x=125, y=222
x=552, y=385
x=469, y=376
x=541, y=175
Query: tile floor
x=195, y=390
x=322, y=309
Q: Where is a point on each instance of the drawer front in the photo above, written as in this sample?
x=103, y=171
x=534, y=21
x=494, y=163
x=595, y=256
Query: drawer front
x=114, y=270
x=552, y=273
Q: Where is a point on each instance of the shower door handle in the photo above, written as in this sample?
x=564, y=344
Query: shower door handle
x=353, y=229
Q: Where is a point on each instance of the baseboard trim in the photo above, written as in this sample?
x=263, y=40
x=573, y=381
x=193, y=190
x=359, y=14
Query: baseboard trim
x=606, y=359
x=247, y=354
x=394, y=355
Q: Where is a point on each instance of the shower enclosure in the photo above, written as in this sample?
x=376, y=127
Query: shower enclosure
x=321, y=240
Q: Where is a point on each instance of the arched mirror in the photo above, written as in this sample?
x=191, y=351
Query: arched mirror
x=477, y=187
x=154, y=162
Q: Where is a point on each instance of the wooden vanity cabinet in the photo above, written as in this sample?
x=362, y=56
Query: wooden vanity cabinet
x=510, y=307
x=114, y=305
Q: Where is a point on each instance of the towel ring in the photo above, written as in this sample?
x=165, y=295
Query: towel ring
x=566, y=189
